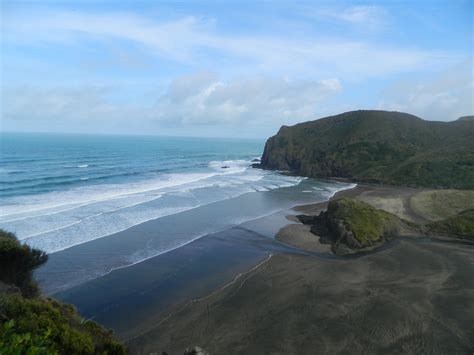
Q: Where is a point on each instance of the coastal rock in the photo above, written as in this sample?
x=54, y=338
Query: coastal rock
x=351, y=241
x=305, y=219
x=351, y=225
x=377, y=147
x=195, y=351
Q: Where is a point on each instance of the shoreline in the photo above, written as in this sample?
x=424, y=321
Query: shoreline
x=215, y=292
x=227, y=313
x=298, y=235
x=161, y=283
x=163, y=235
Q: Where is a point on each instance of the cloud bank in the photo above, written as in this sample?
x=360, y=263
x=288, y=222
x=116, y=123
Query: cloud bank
x=194, y=100
x=94, y=69
x=204, y=99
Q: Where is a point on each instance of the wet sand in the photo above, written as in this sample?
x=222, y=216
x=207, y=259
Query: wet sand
x=415, y=295
x=131, y=300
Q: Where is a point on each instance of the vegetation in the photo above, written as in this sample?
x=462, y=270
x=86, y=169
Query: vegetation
x=466, y=118
x=17, y=262
x=30, y=324
x=366, y=223
x=440, y=204
x=41, y=325
x=354, y=224
x=461, y=225
x=377, y=146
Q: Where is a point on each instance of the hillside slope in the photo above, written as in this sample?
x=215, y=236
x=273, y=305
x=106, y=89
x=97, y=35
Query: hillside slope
x=377, y=146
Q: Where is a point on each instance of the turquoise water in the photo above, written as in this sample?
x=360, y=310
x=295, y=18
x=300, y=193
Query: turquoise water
x=60, y=192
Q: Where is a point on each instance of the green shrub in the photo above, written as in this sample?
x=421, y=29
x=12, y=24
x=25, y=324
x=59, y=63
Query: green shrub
x=42, y=325
x=12, y=342
x=33, y=325
x=17, y=261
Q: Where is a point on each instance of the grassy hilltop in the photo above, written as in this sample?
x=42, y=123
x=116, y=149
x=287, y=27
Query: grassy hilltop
x=377, y=146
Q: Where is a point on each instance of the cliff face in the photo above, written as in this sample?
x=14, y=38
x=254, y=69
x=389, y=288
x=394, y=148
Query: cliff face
x=377, y=146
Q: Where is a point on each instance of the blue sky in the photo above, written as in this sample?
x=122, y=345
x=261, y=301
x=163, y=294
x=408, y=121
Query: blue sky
x=228, y=68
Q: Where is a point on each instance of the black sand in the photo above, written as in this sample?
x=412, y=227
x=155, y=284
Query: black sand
x=241, y=292
x=415, y=297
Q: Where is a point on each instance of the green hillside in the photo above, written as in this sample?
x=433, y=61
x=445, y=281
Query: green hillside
x=466, y=118
x=461, y=225
x=377, y=146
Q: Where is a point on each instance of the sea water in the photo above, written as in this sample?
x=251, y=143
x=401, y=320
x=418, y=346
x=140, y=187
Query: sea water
x=60, y=192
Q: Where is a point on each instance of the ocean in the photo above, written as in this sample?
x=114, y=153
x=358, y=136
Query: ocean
x=61, y=192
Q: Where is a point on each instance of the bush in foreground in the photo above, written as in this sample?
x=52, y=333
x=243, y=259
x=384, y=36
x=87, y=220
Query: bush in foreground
x=30, y=324
x=17, y=261
x=45, y=326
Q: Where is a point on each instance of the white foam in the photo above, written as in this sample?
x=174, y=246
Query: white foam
x=25, y=207
x=94, y=212
x=143, y=254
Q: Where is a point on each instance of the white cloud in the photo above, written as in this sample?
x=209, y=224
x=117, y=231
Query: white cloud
x=443, y=97
x=196, y=100
x=59, y=109
x=258, y=59
x=204, y=99
x=196, y=42
x=369, y=18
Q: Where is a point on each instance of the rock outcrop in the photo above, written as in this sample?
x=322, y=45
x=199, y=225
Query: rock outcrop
x=350, y=226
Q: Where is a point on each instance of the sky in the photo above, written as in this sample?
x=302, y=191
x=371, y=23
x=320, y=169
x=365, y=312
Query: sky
x=229, y=68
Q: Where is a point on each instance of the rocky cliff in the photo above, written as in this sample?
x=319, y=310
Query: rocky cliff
x=377, y=146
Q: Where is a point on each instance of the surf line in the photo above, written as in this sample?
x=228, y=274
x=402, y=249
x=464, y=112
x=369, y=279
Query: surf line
x=195, y=300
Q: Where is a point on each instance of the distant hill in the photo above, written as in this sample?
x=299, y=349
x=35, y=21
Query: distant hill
x=466, y=118
x=377, y=146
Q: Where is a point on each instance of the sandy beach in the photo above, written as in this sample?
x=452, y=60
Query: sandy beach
x=414, y=295
x=268, y=286
x=402, y=300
